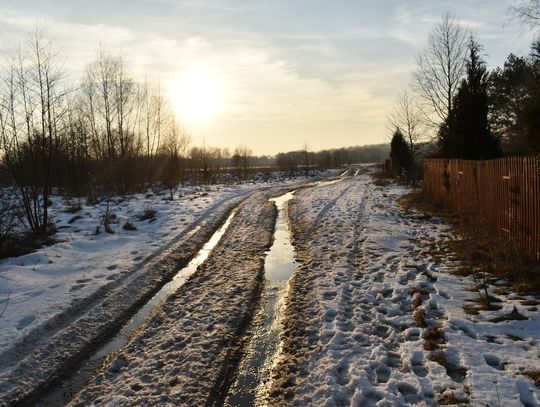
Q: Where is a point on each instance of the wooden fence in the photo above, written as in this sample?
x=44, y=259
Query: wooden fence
x=503, y=193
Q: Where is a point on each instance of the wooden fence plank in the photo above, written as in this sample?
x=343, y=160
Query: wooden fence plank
x=504, y=193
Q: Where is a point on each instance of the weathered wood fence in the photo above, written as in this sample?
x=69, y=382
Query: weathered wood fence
x=503, y=193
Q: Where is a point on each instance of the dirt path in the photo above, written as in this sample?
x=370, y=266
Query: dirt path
x=327, y=225
x=188, y=350
x=51, y=350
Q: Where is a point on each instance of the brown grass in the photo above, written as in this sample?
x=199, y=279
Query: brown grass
x=440, y=358
x=129, y=226
x=450, y=399
x=513, y=315
x=534, y=375
x=480, y=247
x=433, y=337
x=148, y=214
x=419, y=316
x=72, y=208
x=530, y=303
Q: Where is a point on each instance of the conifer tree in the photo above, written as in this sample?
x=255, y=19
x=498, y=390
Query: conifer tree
x=399, y=152
x=466, y=132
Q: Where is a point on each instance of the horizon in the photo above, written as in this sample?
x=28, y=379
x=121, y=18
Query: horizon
x=255, y=74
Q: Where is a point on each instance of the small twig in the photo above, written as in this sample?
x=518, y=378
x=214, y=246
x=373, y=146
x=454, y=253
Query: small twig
x=472, y=395
x=6, y=305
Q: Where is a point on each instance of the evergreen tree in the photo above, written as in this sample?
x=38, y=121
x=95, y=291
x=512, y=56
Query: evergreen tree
x=530, y=115
x=466, y=132
x=514, y=103
x=399, y=152
x=509, y=90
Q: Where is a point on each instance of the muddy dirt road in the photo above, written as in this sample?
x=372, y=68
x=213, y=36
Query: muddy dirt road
x=309, y=296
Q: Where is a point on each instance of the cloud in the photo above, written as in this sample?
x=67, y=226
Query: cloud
x=282, y=67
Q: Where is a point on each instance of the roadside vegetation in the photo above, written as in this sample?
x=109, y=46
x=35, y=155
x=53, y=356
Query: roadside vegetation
x=110, y=134
x=469, y=112
x=455, y=107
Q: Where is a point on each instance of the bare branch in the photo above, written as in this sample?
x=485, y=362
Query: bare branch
x=440, y=68
x=5, y=305
x=528, y=13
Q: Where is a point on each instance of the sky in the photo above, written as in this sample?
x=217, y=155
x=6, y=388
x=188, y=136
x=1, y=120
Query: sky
x=269, y=74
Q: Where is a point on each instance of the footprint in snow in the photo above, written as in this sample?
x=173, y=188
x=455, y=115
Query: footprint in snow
x=383, y=373
x=25, y=321
x=494, y=361
x=408, y=392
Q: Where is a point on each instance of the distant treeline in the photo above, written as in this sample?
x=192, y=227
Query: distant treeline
x=108, y=134
x=336, y=157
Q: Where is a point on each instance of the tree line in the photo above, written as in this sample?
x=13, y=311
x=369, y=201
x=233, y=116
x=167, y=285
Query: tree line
x=460, y=108
x=108, y=134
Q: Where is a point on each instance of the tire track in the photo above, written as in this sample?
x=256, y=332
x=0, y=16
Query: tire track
x=302, y=326
x=187, y=352
x=52, y=351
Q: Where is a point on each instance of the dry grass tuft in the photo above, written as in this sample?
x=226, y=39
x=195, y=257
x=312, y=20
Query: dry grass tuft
x=129, y=226
x=534, y=375
x=419, y=316
x=433, y=337
x=482, y=249
x=450, y=399
x=514, y=315
x=73, y=208
x=530, y=303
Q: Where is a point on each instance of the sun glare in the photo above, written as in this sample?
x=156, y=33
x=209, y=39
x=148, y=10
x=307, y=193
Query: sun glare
x=197, y=98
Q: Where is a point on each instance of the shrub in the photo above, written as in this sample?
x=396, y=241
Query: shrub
x=129, y=226
x=148, y=214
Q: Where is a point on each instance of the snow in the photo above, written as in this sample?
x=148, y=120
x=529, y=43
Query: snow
x=187, y=350
x=350, y=336
x=62, y=297
x=43, y=283
x=373, y=315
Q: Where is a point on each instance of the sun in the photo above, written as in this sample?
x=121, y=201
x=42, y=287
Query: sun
x=196, y=98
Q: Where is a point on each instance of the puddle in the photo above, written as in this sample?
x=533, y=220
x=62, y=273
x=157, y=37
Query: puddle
x=61, y=394
x=279, y=266
x=254, y=371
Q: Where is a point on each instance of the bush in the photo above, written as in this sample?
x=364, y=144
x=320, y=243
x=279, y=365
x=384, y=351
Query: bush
x=148, y=214
x=73, y=208
x=129, y=226
x=7, y=219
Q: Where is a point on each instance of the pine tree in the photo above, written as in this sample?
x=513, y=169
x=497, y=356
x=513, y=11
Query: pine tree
x=399, y=152
x=530, y=116
x=466, y=132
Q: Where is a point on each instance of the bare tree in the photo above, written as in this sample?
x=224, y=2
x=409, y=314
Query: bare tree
x=174, y=149
x=156, y=119
x=440, y=68
x=408, y=117
x=528, y=13
x=241, y=156
x=305, y=158
x=111, y=104
x=32, y=118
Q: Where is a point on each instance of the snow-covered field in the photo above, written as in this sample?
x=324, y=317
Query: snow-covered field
x=374, y=317
x=45, y=282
